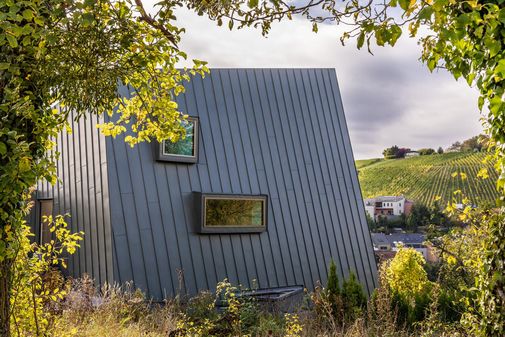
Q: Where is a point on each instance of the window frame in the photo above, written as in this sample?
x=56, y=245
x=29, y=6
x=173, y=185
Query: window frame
x=180, y=158
x=39, y=219
x=201, y=199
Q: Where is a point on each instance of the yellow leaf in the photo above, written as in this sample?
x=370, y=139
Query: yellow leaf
x=483, y=173
x=451, y=260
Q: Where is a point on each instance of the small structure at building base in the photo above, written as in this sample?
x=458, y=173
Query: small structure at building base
x=277, y=300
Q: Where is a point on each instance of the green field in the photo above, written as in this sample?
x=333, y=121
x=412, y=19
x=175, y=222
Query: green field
x=367, y=162
x=425, y=177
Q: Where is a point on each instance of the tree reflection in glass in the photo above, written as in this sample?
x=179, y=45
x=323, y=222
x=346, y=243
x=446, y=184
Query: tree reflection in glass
x=234, y=212
x=184, y=146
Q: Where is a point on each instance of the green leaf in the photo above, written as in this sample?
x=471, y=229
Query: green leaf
x=28, y=14
x=361, y=40
x=495, y=105
x=426, y=13
x=500, y=68
x=38, y=20
x=463, y=19
x=4, y=65
x=396, y=32
x=252, y=3
x=87, y=19
x=501, y=15
x=13, y=42
x=469, y=78
x=3, y=149
x=404, y=4
x=494, y=46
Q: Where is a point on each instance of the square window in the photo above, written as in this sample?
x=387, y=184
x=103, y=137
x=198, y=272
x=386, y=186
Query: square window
x=185, y=150
x=228, y=213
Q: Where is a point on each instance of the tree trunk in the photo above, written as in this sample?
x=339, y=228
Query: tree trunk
x=5, y=280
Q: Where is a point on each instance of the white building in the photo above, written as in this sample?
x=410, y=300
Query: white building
x=387, y=206
x=412, y=154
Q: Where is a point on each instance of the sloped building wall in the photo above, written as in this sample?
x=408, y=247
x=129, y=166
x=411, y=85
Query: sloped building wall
x=278, y=132
x=83, y=193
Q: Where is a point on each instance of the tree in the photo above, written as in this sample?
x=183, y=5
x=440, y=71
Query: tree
x=395, y=152
x=426, y=152
x=353, y=297
x=437, y=216
x=472, y=269
x=402, y=152
x=471, y=144
x=419, y=216
x=465, y=38
x=370, y=221
x=332, y=286
x=455, y=147
x=333, y=291
x=476, y=143
x=405, y=273
x=75, y=52
x=440, y=150
x=383, y=223
x=390, y=152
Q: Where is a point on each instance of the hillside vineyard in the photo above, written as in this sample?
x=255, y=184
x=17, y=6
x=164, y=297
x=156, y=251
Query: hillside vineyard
x=424, y=178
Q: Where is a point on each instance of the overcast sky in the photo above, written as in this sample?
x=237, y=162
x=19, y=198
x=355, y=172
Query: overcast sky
x=389, y=98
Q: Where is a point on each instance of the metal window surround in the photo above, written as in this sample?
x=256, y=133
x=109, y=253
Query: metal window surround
x=200, y=203
x=178, y=158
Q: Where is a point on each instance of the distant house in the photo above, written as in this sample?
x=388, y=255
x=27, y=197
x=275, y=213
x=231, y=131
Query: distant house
x=392, y=242
x=387, y=206
x=412, y=154
x=262, y=190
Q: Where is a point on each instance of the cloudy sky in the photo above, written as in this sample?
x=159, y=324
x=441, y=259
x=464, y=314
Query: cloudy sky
x=389, y=98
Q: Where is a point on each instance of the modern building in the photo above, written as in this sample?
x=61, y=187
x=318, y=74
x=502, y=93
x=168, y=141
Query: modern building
x=392, y=242
x=263, y=190
x=387, y=206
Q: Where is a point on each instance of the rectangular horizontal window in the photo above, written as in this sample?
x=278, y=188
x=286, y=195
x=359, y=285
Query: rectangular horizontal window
x=185, y=150
x=233, y=213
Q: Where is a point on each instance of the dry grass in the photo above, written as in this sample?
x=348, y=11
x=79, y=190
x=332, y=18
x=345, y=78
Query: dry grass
x=123, y=312
x=116, y=312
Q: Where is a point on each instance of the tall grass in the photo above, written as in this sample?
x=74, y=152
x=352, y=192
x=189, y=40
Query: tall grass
x=124, y=312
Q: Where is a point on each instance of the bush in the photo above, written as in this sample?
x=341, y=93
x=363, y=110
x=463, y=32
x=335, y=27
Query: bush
x=337, y=306
x=353, y=298
x=37, y=285
x=426, y=152
x=332, y=286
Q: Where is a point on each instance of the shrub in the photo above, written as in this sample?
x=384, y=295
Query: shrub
x=405, y=273
x=332, y=286
x=353, y=298
x=409, y=285
x=37, y=285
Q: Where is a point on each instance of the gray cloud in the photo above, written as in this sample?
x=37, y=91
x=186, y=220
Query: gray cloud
x=389, y=98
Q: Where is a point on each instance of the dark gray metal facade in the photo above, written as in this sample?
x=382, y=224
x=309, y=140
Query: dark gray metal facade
x=279, y=132
x=275, y=132
x=82, y=192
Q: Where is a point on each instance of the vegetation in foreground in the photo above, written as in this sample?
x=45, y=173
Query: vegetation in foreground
x=424, y=178
x=460, y=296
x=50, y=48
